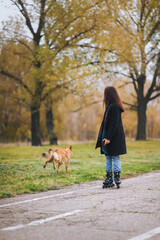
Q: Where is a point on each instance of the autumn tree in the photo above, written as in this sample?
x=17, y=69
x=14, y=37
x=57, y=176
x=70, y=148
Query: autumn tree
x=131, y=42
x=48, y=30
x=126, y=44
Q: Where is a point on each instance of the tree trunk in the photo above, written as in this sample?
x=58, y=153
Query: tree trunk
x=50, y=126
x=35, y=107
x=141, y=127
x=141, y=111
x=35, y=126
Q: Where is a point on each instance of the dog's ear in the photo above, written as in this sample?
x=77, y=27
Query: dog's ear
x=50, y=149
x=70, y=148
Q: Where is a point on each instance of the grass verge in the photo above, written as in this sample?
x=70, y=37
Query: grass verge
x=22, y=169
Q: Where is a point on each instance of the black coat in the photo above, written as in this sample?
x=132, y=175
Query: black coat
x=114, y=132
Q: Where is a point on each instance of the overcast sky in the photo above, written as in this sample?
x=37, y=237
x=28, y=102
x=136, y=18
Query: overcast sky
x=6, y=9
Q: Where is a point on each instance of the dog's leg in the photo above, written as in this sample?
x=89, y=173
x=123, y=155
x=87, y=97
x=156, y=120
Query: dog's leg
x=54, y=164
x=45, y=164
x=58, y=167
x=66, y=165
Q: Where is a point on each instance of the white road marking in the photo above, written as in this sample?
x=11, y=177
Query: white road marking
x=147, y=235
x=41, y=221
x=35, y=199
x=41, y=198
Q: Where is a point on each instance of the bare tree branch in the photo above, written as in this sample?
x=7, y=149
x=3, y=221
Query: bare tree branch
x=149, y=60
x=25, y=14
x=154, y=97
x=94, y=47
x=153, y=84
x=126, y=29
x=67, y=43
x=132, y=106
x=147, y=15
x=24, y=44
x=134, y=82
x=142, y=11
x=41, y=18
x=153, y=30
x=116, y=72
x=19, y=80
x=124, y=84
x=132, y=18
x=87, y=105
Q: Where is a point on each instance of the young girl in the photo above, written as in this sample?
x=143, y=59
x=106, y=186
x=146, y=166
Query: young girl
x=111, y=138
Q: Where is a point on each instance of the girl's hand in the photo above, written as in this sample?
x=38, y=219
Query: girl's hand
x=106, y=141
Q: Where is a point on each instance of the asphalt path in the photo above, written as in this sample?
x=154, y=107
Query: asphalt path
x=86, y=212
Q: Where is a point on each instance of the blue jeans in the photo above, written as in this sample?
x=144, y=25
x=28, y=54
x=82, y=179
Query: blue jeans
x=117, y=163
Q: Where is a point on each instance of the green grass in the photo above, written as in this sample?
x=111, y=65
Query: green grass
x=21, y=167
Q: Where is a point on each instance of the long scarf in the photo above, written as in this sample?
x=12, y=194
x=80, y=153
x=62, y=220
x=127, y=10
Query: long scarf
x=102, y=130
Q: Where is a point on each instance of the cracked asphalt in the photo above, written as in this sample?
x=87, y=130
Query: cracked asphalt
x=85, y=212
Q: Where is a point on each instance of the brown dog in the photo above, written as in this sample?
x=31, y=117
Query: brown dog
x=60, y=156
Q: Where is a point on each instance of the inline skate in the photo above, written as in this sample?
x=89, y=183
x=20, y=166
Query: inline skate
x=108, y=183
x=117, y=179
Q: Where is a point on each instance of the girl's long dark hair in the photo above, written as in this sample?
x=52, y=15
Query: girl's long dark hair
x=111, y=96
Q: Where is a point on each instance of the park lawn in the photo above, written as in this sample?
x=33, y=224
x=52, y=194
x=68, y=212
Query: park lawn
x=22, y=171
